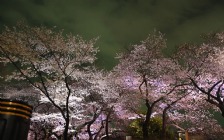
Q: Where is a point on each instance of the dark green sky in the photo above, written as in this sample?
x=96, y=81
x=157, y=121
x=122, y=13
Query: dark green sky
x=119, y=23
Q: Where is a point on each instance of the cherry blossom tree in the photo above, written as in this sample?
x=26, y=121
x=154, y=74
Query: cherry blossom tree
x=47, y=59
x=145, y=70
x=203, y=67
x=146, y=75
x=88, y=108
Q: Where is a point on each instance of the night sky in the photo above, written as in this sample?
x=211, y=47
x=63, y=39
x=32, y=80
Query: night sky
x=119, y=23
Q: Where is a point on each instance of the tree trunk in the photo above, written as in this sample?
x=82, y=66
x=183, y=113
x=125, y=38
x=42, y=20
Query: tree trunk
x=107, y=124
x=145, y=125
x=65, y=133
x=89, y=131
x=97, y=134
x=89, y=124
x=164, y=123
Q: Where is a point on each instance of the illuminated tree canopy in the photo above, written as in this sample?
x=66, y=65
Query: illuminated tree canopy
x=78, y=100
